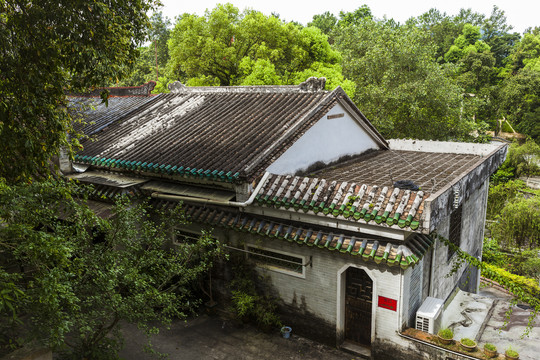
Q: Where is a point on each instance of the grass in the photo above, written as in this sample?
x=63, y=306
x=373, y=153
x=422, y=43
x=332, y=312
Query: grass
x=468, y=342
x=446, y=333
x=511, y=352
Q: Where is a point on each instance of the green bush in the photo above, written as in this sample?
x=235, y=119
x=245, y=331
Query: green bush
x=490, y=347
x=446, y=333
x=468, y=342
x=511, y=352
x=248, y=303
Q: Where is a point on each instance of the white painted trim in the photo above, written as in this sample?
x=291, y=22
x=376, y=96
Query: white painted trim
x=340, y=303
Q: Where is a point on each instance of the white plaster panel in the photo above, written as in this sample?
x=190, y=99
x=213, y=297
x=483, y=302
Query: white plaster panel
x=449, y=147
x=326, y=141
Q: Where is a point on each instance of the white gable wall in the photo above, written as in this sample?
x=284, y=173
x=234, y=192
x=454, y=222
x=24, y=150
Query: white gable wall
x=326, y=141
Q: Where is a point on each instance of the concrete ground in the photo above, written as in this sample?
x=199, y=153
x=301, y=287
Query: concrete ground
x=477, y=316
x=209, y=337
x=483, y=317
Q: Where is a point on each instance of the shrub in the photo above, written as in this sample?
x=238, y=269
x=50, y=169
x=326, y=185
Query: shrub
x=490, y=347
x=468, y=342
x=446, y=333
x=250, y=303
x=511, y=352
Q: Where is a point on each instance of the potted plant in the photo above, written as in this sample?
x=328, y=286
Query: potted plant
x=286, y=332
x=490, y=350
x=445, y=336
x=511, y=354
x=468, y=344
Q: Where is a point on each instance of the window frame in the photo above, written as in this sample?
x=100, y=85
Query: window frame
x=186, y=234
x=455, y=229
x=259, y=261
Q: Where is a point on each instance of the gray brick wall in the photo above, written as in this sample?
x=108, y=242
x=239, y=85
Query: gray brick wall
x=472, y=233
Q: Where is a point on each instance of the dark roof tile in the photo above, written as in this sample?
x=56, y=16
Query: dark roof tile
x=222, y=134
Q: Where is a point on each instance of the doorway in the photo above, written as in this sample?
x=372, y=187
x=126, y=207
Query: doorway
x=358, y=306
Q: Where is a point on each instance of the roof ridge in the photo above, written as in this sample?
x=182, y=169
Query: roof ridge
x=311, y=84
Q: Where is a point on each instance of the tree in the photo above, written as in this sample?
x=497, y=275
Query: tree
x=81, y=276
x=225, y=47
x=46, y=49
x=518, y=224
x=496, y=34
x=355, y=17
x=153, y=58
x=399, y=85
x=523, y=52
x=519, y=101
x=444, y=29
x=469, y=41
x=325, y=22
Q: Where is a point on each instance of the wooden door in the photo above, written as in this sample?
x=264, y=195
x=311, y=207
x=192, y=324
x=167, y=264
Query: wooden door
x=358, y=302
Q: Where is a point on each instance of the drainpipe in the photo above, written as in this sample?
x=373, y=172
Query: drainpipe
x=432, y=270
x=190, y=199
x=400, y=308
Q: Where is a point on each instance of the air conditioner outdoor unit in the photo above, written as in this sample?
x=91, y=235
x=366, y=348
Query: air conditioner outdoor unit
x=428, y=316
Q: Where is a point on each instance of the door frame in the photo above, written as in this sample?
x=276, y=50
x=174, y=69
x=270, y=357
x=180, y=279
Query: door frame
x=341, y=286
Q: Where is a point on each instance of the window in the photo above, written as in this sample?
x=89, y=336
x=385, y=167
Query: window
x=454, y=234
x=277, y=261
x=184, y=237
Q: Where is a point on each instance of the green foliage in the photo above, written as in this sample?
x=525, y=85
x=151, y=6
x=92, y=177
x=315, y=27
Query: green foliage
x=519, y=101
x=466, y=43
x=84, y=275
x=527, y=263
x=443, y=29
x=467, y=342
x=496, y=34
x=226, y=47
x=446, y=333
x=524, y=51
x=518, y=223
x=249, y=303
x=399, y=86
x=493, y=254
x=502, y=193
x=503, y=174
x=145, y=67
x=490, y=347
x=356, y=17
x=525, y=158
x=325, y=22
x=45, y=51
x=511, y=352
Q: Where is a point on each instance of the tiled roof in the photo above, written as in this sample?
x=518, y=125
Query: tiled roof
x=382, y=252
x=429, y=170
x=355, y=201
x=223, y=135
x=107, y=187
x=96, y=116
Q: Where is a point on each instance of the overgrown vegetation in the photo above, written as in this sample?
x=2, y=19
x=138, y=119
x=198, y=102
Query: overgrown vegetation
x=69, y=282
x=249, y=300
